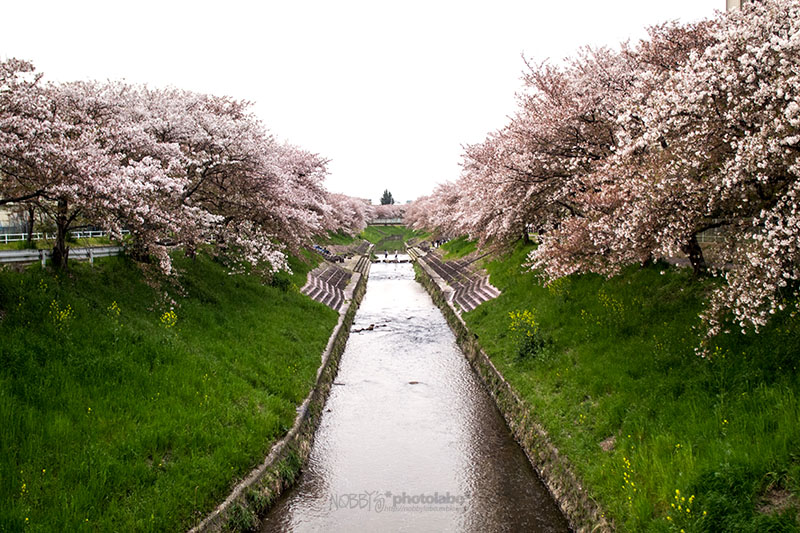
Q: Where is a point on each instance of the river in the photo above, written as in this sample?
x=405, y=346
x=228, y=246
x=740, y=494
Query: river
x=409, y=439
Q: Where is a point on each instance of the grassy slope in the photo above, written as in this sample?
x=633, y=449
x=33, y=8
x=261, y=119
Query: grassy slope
x=620, y=363
x=338, y=238
x=389, y=238
x=117, y=422
x=458, y=248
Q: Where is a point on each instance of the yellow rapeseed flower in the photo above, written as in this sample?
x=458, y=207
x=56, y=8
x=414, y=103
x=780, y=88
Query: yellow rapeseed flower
x=169, y=319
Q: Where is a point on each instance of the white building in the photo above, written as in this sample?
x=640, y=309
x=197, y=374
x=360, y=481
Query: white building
x=5, y=217
x=735, y=4
x=10, y=218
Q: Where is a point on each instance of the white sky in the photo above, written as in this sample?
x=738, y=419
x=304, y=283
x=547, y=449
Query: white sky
x=388, y=91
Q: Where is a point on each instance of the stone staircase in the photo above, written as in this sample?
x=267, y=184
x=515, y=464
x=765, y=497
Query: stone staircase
x=362, y=266
x=415, y=253
x=326, y=284
x=350, y=250
x=474, y=292
x=362, y=248
x=470, y=285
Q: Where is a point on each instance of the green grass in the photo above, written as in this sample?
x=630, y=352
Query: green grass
x=338, y=237
x=458, y=248
x=389, y=238
x=619, y=363
x=117, y=421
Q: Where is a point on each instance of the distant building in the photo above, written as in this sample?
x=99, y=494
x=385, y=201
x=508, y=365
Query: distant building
x=735, y=4
x=5, y=217
x=11, y=221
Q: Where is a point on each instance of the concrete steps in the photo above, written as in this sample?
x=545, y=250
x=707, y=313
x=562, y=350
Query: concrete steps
x=326, y=284
x=471, y=286
x=414, y=253
x=362, y=266
x=363, y=248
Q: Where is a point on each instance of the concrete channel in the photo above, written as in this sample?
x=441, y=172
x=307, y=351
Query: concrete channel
x=410, y=440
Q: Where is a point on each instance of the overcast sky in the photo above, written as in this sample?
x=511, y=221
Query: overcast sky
x=389, y=92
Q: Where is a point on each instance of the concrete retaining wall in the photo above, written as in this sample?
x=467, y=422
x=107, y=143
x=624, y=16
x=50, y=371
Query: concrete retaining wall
x=254, y=495
x=583, y=513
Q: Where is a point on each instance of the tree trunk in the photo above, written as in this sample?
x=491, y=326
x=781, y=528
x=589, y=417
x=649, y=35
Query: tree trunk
x=692, y=249
x=60, y=249
x=138, y=251
x=29, y=228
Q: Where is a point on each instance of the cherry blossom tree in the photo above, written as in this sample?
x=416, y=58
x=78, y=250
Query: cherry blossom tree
x=21, y=111
x=418, y=211
x=240, y=189
x=348, y=214
x=436, y=212
x=544, y=166
x=173, y=167
x=531, y=174
x=712, y=144
x=60, y=154
x=693, y=129
x=593, y=231
x=62, y=158
x=720, y=146
x=388, y=211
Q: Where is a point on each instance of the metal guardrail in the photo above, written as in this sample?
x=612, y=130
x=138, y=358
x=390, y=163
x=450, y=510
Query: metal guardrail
x=6, y=238
x=38, y=236
x=387, y=221
x=33, y=256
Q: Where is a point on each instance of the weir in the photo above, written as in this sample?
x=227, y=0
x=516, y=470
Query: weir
x=409, y=439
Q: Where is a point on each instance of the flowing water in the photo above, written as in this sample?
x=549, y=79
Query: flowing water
x=410, y=440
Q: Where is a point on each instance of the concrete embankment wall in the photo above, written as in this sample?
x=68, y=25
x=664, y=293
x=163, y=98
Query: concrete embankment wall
x=254, y=495
x=554, y=469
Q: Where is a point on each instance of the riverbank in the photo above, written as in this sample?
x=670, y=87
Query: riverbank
x=390, y=239
x=410, y=440
x=643, y=421
x=249, y=500
x=126, y=407
x=553, y=469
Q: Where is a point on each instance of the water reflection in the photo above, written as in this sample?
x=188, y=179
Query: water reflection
x=409, y=440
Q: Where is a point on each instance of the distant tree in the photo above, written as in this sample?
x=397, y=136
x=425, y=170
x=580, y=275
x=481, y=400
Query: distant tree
x=387, y=199
x=388, y=211
x=347, y=214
